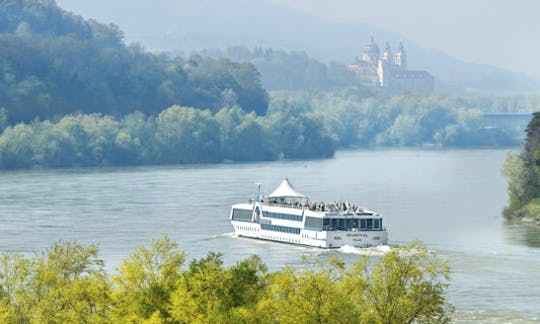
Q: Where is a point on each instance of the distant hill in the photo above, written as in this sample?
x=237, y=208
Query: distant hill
x=189, y=25
x=283, y=70
x=53, y=63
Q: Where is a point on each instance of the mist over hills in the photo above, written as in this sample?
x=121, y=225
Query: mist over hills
x=167, y=25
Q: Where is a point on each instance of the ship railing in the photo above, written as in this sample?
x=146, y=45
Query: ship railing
x=284, y=204
x=319, y=207
x=330, y=208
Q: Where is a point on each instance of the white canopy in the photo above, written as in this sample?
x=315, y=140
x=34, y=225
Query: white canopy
x=286, y=190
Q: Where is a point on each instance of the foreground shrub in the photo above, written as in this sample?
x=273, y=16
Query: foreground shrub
x=68, y=284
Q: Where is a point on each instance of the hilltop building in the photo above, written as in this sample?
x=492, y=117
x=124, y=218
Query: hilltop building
x=390, y=70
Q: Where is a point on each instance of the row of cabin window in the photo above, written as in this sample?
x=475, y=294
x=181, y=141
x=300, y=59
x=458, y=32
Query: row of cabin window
x=348, y=224
x=282, y=216
x=277, y=228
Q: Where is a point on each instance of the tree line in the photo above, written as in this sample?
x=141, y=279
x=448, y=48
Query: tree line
x=68, y=284
x=359, y=117
x=177, y=135
x=296, y=125
x=522, y=172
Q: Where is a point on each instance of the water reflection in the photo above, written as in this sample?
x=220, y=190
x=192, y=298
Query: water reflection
x=519, y=233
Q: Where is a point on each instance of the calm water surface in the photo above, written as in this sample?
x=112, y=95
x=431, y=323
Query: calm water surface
x=449, y=199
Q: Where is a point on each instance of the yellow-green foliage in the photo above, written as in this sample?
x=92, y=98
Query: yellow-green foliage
x=145, y=281
x=407, y=286
x=316, y=295
x=68, y=284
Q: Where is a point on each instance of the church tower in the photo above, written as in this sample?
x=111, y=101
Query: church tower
x=371, y=52
x=387, y=55
x=401, y=57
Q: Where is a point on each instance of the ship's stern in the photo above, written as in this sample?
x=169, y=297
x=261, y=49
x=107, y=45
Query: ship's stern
x=360, y=239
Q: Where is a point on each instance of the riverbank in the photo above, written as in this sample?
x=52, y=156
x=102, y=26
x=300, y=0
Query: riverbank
x=530, y=213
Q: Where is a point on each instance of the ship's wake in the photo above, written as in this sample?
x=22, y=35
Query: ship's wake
x=381, y=250
x=226, y=235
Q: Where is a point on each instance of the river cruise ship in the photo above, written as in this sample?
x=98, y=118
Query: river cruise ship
x=288, y=216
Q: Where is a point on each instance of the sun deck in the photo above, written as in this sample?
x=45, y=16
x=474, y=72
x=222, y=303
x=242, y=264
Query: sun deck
x=327, y=208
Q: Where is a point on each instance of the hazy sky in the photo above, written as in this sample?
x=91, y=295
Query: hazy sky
x=505, y=33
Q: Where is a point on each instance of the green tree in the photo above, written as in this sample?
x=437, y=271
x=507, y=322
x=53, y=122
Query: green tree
x=298, y=133
x=406, y=286
x=67, y=284
x=15, y=306
x=188, y=135
x=145, y=282
x=255, y=142
x=16, y=147
x=243, y=136
x=229, y=118
x=210, y=293
x=531, y=158
x=309, y=295
x=515, y=172
x=134, y=142
x=201, y=296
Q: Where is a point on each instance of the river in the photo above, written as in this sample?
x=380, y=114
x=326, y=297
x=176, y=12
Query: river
x=449, y=199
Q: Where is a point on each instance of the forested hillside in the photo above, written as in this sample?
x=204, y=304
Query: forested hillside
x=54, y=63
x=282, y=70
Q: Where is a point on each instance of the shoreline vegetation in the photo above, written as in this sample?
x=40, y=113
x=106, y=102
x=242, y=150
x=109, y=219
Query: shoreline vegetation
x=68, y=284
x=295, y=126
x=522, y=172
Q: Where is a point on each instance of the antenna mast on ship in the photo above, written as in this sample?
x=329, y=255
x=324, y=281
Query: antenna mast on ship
x=258, y=197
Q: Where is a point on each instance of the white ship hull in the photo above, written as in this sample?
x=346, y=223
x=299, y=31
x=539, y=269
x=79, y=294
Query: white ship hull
x=324, y=239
